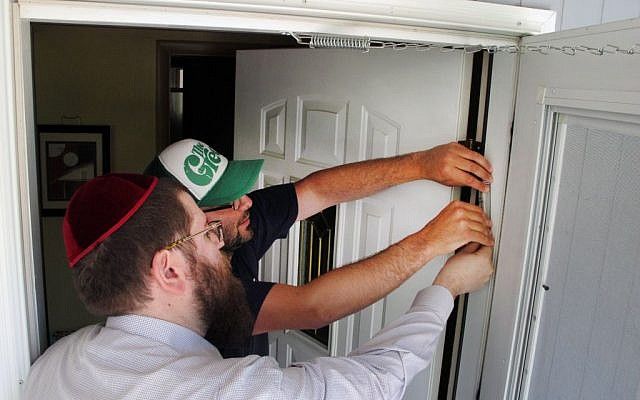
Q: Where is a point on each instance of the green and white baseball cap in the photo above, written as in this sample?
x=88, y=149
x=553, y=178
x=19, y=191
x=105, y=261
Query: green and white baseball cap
x=210, y=178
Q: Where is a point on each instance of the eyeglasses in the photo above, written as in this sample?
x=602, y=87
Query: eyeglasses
x=215, y=226
x=217, y=208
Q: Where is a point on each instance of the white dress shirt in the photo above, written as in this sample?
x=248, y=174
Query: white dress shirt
x=136, y=357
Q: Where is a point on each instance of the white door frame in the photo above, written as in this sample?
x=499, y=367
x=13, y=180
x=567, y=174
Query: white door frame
x=21, y=307
x=15, y=272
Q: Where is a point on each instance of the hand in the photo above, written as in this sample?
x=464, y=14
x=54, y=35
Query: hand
x=456, y=225
x=455, y=165
x=466, y=271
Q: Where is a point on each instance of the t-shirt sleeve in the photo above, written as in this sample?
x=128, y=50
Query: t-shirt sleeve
x=256, y=292
x=274, y=210
x=272, y=213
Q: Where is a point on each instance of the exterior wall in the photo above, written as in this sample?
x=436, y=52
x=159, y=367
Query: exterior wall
x=578, y=13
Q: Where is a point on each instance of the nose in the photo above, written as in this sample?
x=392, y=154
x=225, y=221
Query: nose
x=212, y=216
x=244, y=203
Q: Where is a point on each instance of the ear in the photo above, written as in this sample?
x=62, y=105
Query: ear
x=168, y=271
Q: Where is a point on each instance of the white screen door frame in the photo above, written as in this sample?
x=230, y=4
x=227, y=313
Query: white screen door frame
x=605, y=87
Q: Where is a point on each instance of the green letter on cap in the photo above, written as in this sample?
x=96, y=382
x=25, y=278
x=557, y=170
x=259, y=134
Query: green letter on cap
x=201, y=164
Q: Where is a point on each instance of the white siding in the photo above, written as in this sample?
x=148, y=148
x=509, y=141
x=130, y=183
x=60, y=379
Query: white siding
x=620, y=9
x=578, y=13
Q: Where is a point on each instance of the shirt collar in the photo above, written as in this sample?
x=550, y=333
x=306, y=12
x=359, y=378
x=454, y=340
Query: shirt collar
x=176, y=336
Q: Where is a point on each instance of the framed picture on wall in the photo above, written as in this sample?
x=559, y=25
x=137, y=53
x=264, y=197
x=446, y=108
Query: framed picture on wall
x=69, y=156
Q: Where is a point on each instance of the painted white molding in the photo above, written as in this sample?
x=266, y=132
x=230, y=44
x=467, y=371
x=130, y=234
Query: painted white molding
x=269, y=264
x=499, y=120
x=321, y=131
x=379, y=135
x=612, y=101
x=373, y=222
x=585, y=33
x=28, y=181
x=273, y=119
x=14, y=348
x=435, y=21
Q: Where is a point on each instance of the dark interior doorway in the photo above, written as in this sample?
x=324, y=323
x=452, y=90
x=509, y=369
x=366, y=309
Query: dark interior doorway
x=202, y=106
x=195, y=87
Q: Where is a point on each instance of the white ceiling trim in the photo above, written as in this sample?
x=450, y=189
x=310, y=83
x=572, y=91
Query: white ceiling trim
x=451, y=22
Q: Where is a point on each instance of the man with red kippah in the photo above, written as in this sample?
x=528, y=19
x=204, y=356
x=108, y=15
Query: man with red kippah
x=253, y=222
x=143, y=254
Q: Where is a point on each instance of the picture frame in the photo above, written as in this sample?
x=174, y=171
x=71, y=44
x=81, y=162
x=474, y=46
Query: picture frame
x=69, y=156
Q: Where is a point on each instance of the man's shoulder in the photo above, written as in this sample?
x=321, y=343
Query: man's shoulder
x=81, y=335
x=282, y=189
x=66, y=348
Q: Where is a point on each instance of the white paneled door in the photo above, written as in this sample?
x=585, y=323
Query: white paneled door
x=303, y=110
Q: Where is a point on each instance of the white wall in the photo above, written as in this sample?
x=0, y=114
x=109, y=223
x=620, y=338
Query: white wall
x=578, y=13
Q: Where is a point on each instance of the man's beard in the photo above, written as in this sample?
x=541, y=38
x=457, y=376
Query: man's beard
x=222, y=303
x=233, y=242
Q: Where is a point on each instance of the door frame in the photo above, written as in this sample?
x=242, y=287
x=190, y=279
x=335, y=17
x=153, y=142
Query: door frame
x=22, y=280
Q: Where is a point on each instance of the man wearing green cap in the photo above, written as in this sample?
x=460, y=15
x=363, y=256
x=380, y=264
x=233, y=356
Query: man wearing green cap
x=253, y=222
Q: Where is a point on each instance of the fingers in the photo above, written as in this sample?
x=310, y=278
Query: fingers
x=463, y=178
x=470, y=212
x=460, y=166
x=479, y=237
x=479, y=230
x=475, y=224
x=476, y=158
x=466, y=271
x=456, y=225
x=474, y=176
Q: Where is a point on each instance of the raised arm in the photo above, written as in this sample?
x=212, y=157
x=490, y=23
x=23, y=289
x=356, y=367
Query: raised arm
x=450, y=164
x=346, y=290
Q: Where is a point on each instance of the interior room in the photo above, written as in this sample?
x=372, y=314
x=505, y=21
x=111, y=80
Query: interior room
x=107, y=76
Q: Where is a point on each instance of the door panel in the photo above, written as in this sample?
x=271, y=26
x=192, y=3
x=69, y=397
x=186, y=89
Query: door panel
x=374, y=222
x=561, y=247
x=304, y=110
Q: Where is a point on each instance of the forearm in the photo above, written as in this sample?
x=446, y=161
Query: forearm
x=346, y=290
x=348, y=182
x=342, y=291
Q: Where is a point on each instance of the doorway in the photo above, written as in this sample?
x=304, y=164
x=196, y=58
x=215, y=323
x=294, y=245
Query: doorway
x=96, y=75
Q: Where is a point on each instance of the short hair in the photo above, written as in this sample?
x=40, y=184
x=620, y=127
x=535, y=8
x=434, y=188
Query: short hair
x=112, y=278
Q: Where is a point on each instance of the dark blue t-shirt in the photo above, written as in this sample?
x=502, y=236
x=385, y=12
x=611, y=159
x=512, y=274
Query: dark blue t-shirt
x=274, y=210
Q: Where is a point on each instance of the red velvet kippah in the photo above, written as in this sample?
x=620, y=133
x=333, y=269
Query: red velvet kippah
x=100, y=207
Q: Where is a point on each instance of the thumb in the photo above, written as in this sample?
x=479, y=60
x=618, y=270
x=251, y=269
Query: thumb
x=484, y=251
x=470, y=248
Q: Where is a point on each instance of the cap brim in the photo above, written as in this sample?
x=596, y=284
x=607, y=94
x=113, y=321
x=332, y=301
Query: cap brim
x=236, y=181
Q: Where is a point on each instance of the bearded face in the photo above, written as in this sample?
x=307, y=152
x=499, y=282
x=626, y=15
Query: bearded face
x=221, y=302
x=236, y=232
